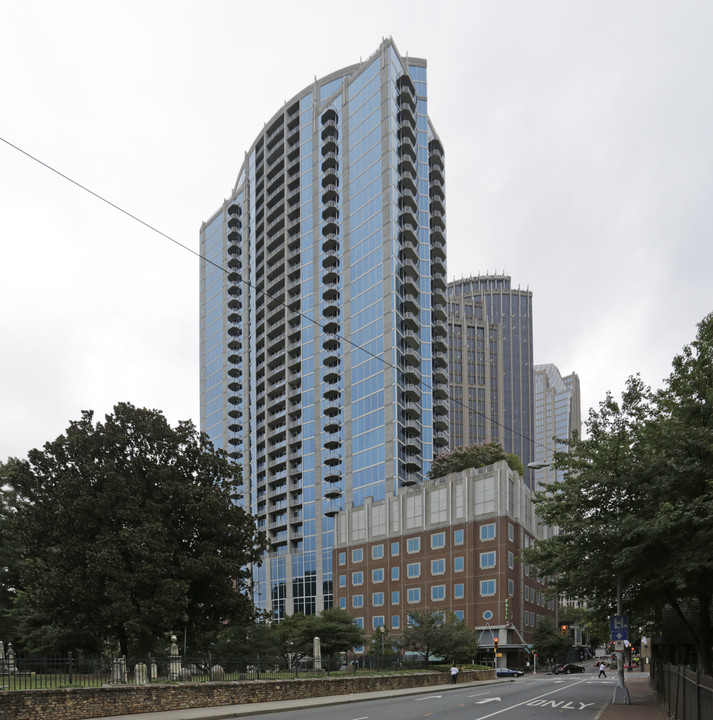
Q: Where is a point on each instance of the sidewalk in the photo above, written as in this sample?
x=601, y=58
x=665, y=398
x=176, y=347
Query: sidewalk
x=644, y=703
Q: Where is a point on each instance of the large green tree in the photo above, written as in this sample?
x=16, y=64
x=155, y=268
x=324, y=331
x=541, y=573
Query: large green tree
x=435, y=633
x=126, y=530
x=636, y=505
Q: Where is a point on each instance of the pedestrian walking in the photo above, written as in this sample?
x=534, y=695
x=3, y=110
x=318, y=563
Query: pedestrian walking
x=454, y=673
x=602, y=668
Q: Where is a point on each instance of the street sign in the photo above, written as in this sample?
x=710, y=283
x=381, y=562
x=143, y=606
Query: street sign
x=618, y=622
x=619, y=626
x=619, y=646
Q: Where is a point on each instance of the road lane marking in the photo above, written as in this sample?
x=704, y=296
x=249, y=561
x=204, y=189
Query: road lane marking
x=526, y=702
x=430, y=697
x=487, y=700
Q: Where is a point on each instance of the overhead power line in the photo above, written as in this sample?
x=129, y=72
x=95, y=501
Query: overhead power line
x=252, y=287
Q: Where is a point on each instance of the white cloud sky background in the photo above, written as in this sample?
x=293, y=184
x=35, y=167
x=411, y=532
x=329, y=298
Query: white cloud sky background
x=579, y=160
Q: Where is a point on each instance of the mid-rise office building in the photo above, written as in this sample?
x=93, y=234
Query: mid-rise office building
x=558, y=415
x=452, y=544
x=324, y=364
x=491, y=360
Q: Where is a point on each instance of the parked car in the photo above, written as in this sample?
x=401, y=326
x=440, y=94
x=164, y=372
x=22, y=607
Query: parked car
x=568, y=669
x=506, y=672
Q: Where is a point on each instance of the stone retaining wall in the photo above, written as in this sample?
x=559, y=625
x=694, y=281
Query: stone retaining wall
x=83, y=703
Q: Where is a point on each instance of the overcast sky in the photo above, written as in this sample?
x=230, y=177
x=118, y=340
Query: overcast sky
x=579, y=160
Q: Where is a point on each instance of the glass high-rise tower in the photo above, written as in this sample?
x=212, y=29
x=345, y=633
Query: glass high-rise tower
x=324, y=363
x=492, y=367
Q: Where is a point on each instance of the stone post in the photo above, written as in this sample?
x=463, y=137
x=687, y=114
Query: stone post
x=118, y=671
x=317, y=653
x=11, y=667
x=140, y=677
x=174, y=663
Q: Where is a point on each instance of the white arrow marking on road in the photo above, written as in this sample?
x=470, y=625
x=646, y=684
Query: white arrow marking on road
x=430, y=697
x=487, y=700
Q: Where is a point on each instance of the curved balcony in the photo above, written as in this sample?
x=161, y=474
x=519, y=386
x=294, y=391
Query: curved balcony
x=410, y=355
x=331, y=459
x=234, y=208
x=412, y=392
x=438, y=313
x=412, y=426
x=411, y=410
x=330, y=161
x=234, y=357
x=235, y=222
x=411, y=338
x=412, y=445
x=331, y=511
x=331, y=375
x=332, y=359
x=435, y=175
x=438, y=281
x=409, y=306
x=331, y=327
x=439, y=359
x=408, y=199
x=409, y=479
x=331, y=309
x=412, y=464
x=408, y=254
x=330, y=228
x=406, y=133
x=409, y=285
x=332, y=408
x=330, y=211
x=440, y=392
x=333, y=493
x=234, y=235
x=330, y=261
x=331, y=343
x=406, y=114
x=331, y=425
x=437, y=205
x=330, y=243
x=330, y=292
x=330, y=178
x=440, y=375
x=412, y=375
x=333, y=392
x=441, y=441
x=409, y=180
x=329, y=129
x=440, y=422
x=438, y=255
x=330, y=192
x=332, y=443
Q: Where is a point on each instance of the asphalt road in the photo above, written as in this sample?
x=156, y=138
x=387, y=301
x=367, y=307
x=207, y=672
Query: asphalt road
x=537, y=697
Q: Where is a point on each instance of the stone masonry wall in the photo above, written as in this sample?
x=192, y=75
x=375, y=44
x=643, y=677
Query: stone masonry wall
x=80, y=704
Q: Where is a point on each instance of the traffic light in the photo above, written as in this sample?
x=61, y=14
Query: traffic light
x=564, y=629
x=495, y=644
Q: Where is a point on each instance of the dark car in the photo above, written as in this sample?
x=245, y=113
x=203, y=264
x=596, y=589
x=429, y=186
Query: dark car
x=506, y=672
x=568, y=669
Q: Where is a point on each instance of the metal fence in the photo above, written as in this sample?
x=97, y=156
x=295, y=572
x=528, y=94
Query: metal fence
x=687, y=694
x=35, y=673
x=30, y=673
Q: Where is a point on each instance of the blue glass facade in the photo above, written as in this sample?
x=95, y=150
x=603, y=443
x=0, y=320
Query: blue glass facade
x=323, y=355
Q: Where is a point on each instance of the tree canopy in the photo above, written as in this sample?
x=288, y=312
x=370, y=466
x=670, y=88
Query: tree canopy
x=433, y=632
x=124, y=531
x=636, y=502
x=474, y=456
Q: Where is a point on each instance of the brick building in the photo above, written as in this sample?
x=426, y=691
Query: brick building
x=452, y=543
